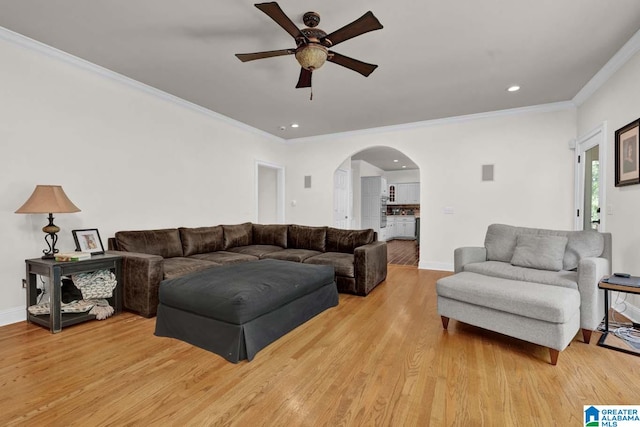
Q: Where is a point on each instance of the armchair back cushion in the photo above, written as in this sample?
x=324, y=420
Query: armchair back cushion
x=238, y=235
x=201, y=240
x=305, y=237
x=270, y=234
x=501, y=241
x=539, y=252
x=165, y=242
x=347, y=241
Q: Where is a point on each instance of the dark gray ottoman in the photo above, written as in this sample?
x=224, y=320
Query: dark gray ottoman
x=237, y=310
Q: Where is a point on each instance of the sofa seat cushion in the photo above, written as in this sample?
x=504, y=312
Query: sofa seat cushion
x=255, y=250
x=179, y=266
x=553, y=304
x=565, y=279
x=343, y=263
x=296, y=255
x=224, y=257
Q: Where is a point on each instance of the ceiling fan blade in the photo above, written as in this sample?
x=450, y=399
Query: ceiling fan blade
x=244, y=57
x=277, y=14
x=305, y=78
x=353, y=64
x=364, y=24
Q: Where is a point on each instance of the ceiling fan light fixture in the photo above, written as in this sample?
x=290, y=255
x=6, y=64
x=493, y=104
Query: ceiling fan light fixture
x=312, y=56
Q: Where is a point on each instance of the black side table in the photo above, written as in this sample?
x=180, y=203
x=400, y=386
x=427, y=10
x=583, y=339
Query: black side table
x=54, y=270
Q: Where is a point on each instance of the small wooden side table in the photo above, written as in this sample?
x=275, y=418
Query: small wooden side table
x=54, y=270
x=608, y=287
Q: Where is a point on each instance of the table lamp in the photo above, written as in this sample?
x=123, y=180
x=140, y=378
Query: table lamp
x=48, y=199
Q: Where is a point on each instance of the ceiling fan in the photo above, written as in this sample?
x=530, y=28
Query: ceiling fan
x=312, y=44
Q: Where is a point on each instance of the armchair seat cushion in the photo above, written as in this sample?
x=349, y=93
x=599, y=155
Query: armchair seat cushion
x=342, y=262
x=565, y=279
x=552, y=304
x=179, y=266
x=296, y=255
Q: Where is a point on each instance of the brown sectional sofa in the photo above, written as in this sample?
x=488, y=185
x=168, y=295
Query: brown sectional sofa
x=150, y=256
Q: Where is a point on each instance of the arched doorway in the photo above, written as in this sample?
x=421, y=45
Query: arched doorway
x=381, y=191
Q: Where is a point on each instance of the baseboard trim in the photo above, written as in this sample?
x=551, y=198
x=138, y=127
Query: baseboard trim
x=628, y=310
x=12, y=315
x=432, y=265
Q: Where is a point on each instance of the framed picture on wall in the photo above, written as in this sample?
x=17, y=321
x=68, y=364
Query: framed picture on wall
x=628, y=154
x=88, y=240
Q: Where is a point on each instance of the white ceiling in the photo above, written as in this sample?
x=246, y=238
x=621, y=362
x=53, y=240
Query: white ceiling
x=385, y=158
x=436, y=58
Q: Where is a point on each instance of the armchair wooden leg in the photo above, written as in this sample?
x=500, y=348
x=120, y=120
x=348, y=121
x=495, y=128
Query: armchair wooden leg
x=554, y=356
x=445, y=321
x=586, y=335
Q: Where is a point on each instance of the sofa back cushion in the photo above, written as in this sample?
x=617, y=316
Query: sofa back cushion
x=270, y=234
x=539, y=252
x=238, y=235
x=347, y=241
x=165, y=242
x=201, y=240
x=306, y=237
x=500, y=242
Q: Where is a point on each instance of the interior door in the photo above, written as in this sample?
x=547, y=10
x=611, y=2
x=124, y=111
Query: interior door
x=341, y=199
x=590, y=180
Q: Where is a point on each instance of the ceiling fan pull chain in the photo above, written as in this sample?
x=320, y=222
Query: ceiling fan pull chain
x=311, y=96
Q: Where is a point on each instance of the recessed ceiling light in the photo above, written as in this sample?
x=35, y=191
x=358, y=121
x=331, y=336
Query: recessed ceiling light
x=295, y=125
x=283, y=128
x=513, y=88
x=404, y=167
x=395, y=161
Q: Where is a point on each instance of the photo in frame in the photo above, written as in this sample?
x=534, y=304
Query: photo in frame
x=627, y=154
x=88, y=240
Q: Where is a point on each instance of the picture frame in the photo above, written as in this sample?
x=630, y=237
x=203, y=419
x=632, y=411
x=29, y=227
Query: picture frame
x=88, y=240
x=627, y=154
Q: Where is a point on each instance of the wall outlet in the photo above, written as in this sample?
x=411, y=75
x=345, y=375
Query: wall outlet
x=24, y=283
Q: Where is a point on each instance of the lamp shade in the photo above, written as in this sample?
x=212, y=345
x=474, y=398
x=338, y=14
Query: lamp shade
x=48, y=199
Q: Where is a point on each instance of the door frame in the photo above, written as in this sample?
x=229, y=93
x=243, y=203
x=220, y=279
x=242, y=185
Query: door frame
x=280, y=202
x=597, y=136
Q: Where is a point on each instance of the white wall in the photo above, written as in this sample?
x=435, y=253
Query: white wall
x=394, y=177
x=618, y=102
x=127, y=159
x=533, y=175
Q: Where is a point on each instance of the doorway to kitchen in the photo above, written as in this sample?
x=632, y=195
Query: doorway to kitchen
x=382, y=192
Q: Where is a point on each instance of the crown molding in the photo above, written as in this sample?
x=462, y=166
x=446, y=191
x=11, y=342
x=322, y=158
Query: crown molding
x=542, y=108
x=34, y=45
x=616, y=62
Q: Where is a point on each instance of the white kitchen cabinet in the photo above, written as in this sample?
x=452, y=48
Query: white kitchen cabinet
x=404, y=193
x=405, y=227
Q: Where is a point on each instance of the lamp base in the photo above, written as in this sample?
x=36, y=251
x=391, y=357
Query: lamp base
x=51, y=238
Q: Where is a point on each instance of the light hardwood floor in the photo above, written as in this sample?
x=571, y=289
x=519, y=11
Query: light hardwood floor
x=380, y=360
